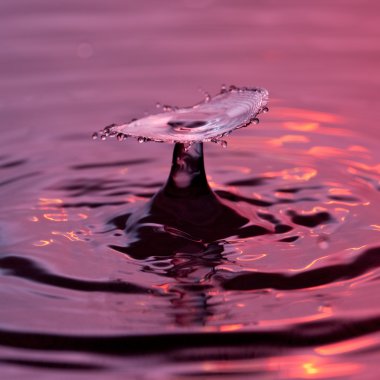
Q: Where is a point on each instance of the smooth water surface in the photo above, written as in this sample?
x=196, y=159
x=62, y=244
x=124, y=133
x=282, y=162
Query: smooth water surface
x=97, y=282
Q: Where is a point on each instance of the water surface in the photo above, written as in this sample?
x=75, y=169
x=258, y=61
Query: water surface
x=291, y=294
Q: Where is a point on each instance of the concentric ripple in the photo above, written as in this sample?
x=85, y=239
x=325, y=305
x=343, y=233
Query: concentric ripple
x=209, y=120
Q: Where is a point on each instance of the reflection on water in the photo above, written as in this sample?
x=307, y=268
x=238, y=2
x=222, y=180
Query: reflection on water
x=276, y=272
x=271, y=280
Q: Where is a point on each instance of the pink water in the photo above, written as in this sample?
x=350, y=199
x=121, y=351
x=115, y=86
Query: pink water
x=293, y=297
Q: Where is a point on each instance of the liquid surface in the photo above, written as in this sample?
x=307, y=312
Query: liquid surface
x=209, y=120
x=92, y=290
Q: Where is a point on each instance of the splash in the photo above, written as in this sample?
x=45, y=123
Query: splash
x=211, y=120
x=186, y=209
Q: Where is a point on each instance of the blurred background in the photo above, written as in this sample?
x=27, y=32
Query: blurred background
x=79, y=65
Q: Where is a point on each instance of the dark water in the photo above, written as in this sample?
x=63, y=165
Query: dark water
x=291, y=294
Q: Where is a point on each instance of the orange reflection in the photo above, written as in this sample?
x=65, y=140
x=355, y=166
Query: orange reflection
x=324, y=313
x=308, y=266
x=311, y=367
x=240, y=169
x=71, y=235
x=288, y=139
x=325, y=151
x=49, y=203
x=233, y=327
x=43, y=243
x=294, y=174
x=347, y=346
x=56, y=217
x=58, y=213
x=315, y=116
x=357, y=148
x=251, y=257
x=339, y=191
x=363, y=166
x=302, y=127
x=164, y=287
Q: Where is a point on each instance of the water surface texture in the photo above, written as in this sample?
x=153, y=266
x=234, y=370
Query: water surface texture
x=98, y=283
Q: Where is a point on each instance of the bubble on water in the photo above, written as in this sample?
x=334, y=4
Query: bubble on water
x=255, y=121
x=213, y=118
x=95, y=135
x=265, y=110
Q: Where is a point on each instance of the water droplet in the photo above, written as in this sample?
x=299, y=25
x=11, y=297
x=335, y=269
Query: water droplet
x=120, y=137
x=265, y=110
x=95, y=136
x=223, y=88
x=158, y=105
x=141, y=139
x=103, y=137
x=223, y=143
x=232, y=88
x=255, y=120
x=207, y=97
x=167, y=108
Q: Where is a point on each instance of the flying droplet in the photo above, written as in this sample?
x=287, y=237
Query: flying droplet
x=158, y=105
x=255, y=121
x=223, y=143
x=141, y=139
x=120, y=137
x=103, y=137
x=265, y=110
x=95, y=136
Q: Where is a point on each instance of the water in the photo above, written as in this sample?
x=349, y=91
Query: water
x=209, y=120
x=98, y=283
